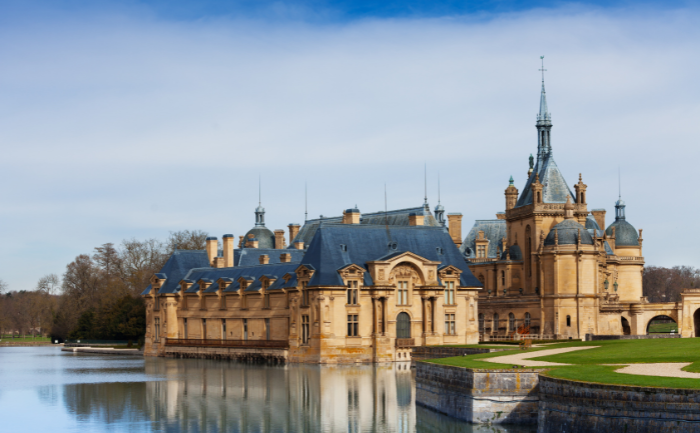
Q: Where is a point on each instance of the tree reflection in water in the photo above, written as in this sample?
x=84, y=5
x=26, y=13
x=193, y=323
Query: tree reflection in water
x=213, y=396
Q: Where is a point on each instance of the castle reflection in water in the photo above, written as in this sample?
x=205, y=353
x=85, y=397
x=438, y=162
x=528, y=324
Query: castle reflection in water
x=211, y=396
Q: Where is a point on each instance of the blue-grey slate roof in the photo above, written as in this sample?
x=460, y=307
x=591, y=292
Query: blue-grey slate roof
x=554, y=187
x=366, y=243
x=264, y=236
x=397, y=217
x=494, y=231
x=625, y=233
x=177, y=266
x=251, y=256
x=567, y=233
x=250, y=273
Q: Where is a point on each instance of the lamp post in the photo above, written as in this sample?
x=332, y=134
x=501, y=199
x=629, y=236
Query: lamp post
x=606, y=284
x=615, y=285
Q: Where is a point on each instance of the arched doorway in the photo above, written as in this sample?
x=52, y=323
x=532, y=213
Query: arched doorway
x=663, y=325
x=403, y=326
x=696, y=323
x=626, y=330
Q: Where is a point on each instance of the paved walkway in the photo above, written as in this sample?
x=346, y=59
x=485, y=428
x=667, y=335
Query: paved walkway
x=670, y=369
x=522, y=358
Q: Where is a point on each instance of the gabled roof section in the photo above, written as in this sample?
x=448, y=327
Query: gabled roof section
x=494, y=231
x=397, y=217
x=366, y=243
x=251, y=256
x=177, y=267
x=554, y=186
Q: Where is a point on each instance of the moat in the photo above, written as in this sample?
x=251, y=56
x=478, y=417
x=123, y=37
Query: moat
x=44, y=389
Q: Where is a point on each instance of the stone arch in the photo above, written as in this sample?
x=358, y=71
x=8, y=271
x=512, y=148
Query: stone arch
x=696, y=323
x=408, y=270
x=626, y=330
x=661, y=318
x=511, y=322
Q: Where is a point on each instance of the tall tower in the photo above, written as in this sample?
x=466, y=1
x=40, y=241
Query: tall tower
x=544, y=125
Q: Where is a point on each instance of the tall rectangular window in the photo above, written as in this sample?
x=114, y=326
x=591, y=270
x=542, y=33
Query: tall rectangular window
x=245, y=329
x=402, y=298
x=304, y=294
x=266, y=300
x=223, y=329
x=449, y=293
x=184, y=323
x=204, y=329
x=481, y=251
x=267, y=329
x=352, y=325
x=157, y=328
x=450, y=324
x=305, y=329
x=352, y=292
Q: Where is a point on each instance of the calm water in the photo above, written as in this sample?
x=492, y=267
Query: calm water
x=44, y=389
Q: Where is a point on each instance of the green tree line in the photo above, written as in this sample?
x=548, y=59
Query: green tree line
x=98, y=296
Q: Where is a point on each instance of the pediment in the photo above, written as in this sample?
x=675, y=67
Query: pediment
x=352, y=270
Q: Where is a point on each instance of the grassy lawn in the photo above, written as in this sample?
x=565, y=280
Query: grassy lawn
x=663, y=328
x=7, y=339
x=475, y=346
x=587, y=364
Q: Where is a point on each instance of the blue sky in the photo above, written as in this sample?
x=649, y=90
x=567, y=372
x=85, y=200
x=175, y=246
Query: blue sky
x=132, y=119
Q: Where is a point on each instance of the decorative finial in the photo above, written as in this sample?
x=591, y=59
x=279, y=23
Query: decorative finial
x=511, y=180
x=580, y=178
x=532, y=162
x=425, y=184
x=543, y=70
x=537, y=178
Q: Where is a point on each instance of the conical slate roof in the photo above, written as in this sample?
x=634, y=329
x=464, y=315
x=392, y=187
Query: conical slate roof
x=554, y=186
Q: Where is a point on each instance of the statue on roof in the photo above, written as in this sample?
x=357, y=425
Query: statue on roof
x=532, y=162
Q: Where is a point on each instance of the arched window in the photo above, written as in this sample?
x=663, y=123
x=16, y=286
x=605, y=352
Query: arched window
x=495, y=323
x=481, y=322
x=511, y=322
x=568, y=320
x=403, y=325
x=527, y=319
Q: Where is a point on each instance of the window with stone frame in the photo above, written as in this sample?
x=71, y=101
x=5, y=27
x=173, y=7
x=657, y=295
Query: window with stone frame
x=481, y=323
x=304, y=294
x=305, y=329
x=449, y=293
x=481, y=251
x=353, y=292
x=402, y=293
x=157, y=328
x=450, y=328
x=353, y=325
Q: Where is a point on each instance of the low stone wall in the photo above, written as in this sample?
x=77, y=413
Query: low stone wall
x=592, y=337
x=275, y=356
x=479, y=396
x=421, y=353
x=582, y=407
x=103, y=351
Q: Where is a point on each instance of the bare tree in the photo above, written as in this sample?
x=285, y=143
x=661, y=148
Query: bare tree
x=3, y=287
x=187, y=240
x=49, y=284
x=666, y=284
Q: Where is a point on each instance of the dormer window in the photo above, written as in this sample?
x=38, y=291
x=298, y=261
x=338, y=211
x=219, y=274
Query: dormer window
x=449, y=293
x=481, y=251
x=352, y=292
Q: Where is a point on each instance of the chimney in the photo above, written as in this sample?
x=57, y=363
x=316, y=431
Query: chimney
x=285, y=258
x=251, y=242
x=279, y=240
x=511, y=195
x=455, y=227
x=599, y=215
x=299, y=245
x=264, y=259
x=212, y=249
x=351, y=216
x=293, y=232
x=415, y=220
x=228, y=251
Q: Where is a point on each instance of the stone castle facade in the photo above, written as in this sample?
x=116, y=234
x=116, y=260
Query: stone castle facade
x=369, y=287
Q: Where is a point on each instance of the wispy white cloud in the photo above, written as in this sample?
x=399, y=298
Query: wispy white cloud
x=121, y=124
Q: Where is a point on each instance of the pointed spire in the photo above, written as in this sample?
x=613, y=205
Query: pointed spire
x=260, y=211
x=544, y=112
x=306, y=202
x=425, y=187
x=511, y=180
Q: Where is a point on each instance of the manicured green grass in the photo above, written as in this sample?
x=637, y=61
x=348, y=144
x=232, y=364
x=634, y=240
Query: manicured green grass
x=7, y=339
x=475, y=346
x=586, y=364
x=663, y=328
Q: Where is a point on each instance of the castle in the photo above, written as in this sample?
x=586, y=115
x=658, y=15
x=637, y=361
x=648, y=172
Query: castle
x=369, y=287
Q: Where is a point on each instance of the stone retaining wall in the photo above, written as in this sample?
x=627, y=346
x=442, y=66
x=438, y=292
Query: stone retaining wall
x=592, y=337
x=275, y=356
x=421, y=353
x=479, y=396
x=582, y=407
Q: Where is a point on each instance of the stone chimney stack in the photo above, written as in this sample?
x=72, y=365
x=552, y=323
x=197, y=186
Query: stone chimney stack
x=351, y=216
x=279, y=240
x=455, y=227
x=285, y=258
x=212, y=249
x=299, y=245
x=599, y=215
x=251, y=242
x=293, y=232
x=264, y=259
x=415, y=219
x=228, y=251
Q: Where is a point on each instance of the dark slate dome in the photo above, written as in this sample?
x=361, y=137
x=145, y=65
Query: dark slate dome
x=592, y=224
x=265, y=237
x=568, y=232
x=625, y=234
x=513, y=251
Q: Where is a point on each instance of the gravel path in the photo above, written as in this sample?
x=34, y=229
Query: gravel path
x=670, y=369
x=521, y=358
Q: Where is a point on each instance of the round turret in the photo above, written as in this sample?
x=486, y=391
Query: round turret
x=567, y=233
